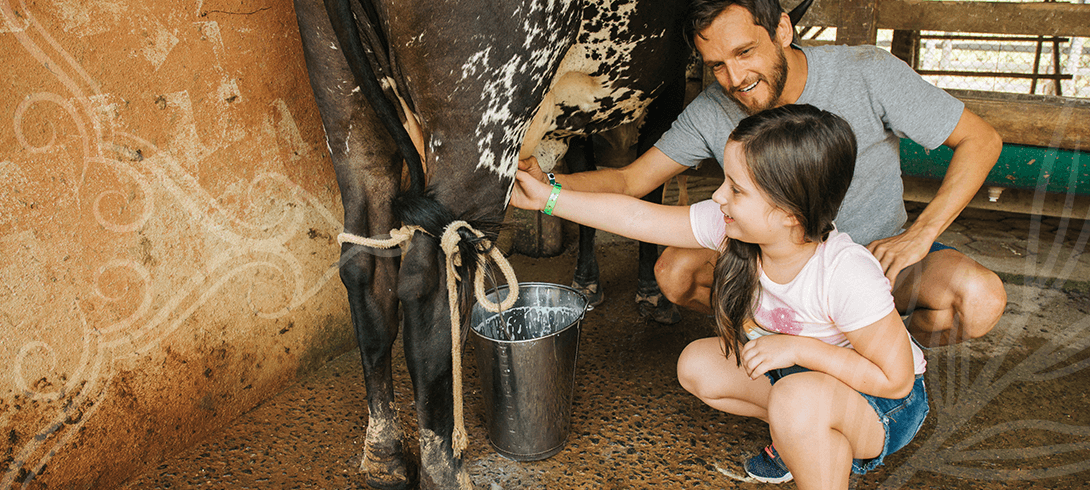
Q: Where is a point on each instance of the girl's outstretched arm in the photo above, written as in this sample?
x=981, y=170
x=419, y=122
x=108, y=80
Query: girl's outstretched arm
x=880, y=363
x=615, y=213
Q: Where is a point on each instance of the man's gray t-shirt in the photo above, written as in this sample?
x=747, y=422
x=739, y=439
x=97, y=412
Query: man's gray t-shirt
x=882, y=99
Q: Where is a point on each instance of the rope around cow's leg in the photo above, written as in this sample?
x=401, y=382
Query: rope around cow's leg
x=397, y=237
x=449, y=243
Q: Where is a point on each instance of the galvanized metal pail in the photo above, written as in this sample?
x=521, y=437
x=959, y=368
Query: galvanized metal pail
x=526, y=358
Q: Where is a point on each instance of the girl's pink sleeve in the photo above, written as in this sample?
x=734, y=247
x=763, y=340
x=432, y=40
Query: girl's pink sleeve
x=859, y=292
x=706, y=219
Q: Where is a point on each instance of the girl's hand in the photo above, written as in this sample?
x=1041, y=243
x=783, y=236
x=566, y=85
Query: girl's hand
x=764, y=354
x=529, y=192
x=530, y=165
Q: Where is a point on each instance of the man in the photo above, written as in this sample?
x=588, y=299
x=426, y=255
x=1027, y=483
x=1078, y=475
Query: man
x=747, y=44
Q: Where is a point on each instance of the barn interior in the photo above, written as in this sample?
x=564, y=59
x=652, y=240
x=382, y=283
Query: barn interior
x=174, y=317
x=634, y=427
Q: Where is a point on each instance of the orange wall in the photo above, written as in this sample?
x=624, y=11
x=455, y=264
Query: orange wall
x=168, y=230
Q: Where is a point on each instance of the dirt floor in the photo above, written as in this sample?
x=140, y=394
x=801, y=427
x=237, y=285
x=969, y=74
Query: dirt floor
x=1007, y=411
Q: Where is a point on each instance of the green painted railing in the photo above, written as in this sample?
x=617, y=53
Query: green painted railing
x=1022, y=167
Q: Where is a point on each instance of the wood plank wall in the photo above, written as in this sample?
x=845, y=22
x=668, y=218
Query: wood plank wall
x=1059, y=122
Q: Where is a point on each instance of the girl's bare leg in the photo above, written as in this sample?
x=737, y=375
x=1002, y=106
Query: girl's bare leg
x=717, y=380
x=818, y=425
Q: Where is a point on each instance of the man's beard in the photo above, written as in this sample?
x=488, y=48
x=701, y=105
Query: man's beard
x=775, y=86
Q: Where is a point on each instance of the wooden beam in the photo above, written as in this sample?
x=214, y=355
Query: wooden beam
x=1044, y=19
x=1036, y=120
x=858, y=22
x=995, y=74
x=820, y=13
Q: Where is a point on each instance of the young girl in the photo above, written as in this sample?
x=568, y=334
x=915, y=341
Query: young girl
x=809, y=340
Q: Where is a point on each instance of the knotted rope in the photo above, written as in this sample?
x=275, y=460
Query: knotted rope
x=449, y=243
x=397, y=237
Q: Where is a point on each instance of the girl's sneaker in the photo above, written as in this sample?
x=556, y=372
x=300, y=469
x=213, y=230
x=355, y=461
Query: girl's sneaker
x=767, y=467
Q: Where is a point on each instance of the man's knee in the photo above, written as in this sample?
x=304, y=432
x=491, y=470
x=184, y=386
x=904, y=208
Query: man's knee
x=674, y=274
x=983, y=300
x=968, y=299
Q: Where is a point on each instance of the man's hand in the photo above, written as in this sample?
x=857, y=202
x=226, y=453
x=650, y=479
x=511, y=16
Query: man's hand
x=528, y=192
x=531, y=167
x=900, y=251
x=976, y=147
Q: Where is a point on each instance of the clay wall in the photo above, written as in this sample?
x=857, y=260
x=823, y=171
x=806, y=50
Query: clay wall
x=168, y=230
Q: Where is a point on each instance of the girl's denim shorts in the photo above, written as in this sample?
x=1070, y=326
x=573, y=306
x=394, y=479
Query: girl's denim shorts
x=902, y=418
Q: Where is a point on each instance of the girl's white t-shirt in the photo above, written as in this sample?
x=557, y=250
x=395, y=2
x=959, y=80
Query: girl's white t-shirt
x=840, y=289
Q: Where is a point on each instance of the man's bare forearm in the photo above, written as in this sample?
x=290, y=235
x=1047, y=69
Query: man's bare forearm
x=636, y=179
x=975, y=153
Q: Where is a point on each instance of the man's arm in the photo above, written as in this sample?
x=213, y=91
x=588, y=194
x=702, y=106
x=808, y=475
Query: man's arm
x=636, y=179
x=976, y=148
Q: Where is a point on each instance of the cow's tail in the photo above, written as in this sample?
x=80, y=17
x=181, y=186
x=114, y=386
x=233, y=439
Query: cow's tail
x=348, y=36
x=416, y=206
x=428, y=213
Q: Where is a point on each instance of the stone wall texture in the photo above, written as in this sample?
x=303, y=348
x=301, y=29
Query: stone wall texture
x=167, y=240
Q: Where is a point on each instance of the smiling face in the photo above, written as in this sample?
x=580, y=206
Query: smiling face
x=747, y=212
x=749, y=65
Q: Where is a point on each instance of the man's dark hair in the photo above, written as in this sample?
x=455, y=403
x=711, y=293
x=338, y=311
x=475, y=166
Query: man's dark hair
x=766, y=13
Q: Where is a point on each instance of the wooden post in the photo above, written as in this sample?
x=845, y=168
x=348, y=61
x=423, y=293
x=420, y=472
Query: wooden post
x=858, y=22
x=906, y=45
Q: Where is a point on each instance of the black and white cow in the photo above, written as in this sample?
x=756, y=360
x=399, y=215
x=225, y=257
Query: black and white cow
x=481, y=84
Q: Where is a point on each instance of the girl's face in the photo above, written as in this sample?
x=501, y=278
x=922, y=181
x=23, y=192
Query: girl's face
x=747, y=212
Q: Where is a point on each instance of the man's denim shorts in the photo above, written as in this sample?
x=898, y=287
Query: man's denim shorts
x=936, y=246
x=902, y=418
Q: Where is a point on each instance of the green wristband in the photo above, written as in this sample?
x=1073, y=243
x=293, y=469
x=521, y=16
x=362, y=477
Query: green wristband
x=552, y=200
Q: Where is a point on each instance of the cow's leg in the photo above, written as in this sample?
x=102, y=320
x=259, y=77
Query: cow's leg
x=580, y=158
x=427, y=352
x=368, y=176
x=649, y=298
x=369, y=281
x=368, y=173
x=370, y=278
x=660, y=114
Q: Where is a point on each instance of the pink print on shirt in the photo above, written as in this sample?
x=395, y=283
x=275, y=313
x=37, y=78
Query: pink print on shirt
x=781, y=320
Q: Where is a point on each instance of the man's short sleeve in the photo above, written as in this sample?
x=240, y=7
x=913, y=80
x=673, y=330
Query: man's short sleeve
x=702, y=129
x=683, y=142
x=911, y=106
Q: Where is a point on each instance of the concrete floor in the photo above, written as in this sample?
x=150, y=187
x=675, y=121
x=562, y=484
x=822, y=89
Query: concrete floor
x=1007, y=411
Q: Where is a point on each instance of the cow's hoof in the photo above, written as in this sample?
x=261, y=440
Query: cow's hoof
x=393, y=472
x=591, y=291
x=658, y=308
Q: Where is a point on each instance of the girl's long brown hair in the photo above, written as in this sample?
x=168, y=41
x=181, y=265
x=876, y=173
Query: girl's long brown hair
x=802, y=158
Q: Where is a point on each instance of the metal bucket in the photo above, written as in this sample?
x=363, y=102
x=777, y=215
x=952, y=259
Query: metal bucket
x=527, y=368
